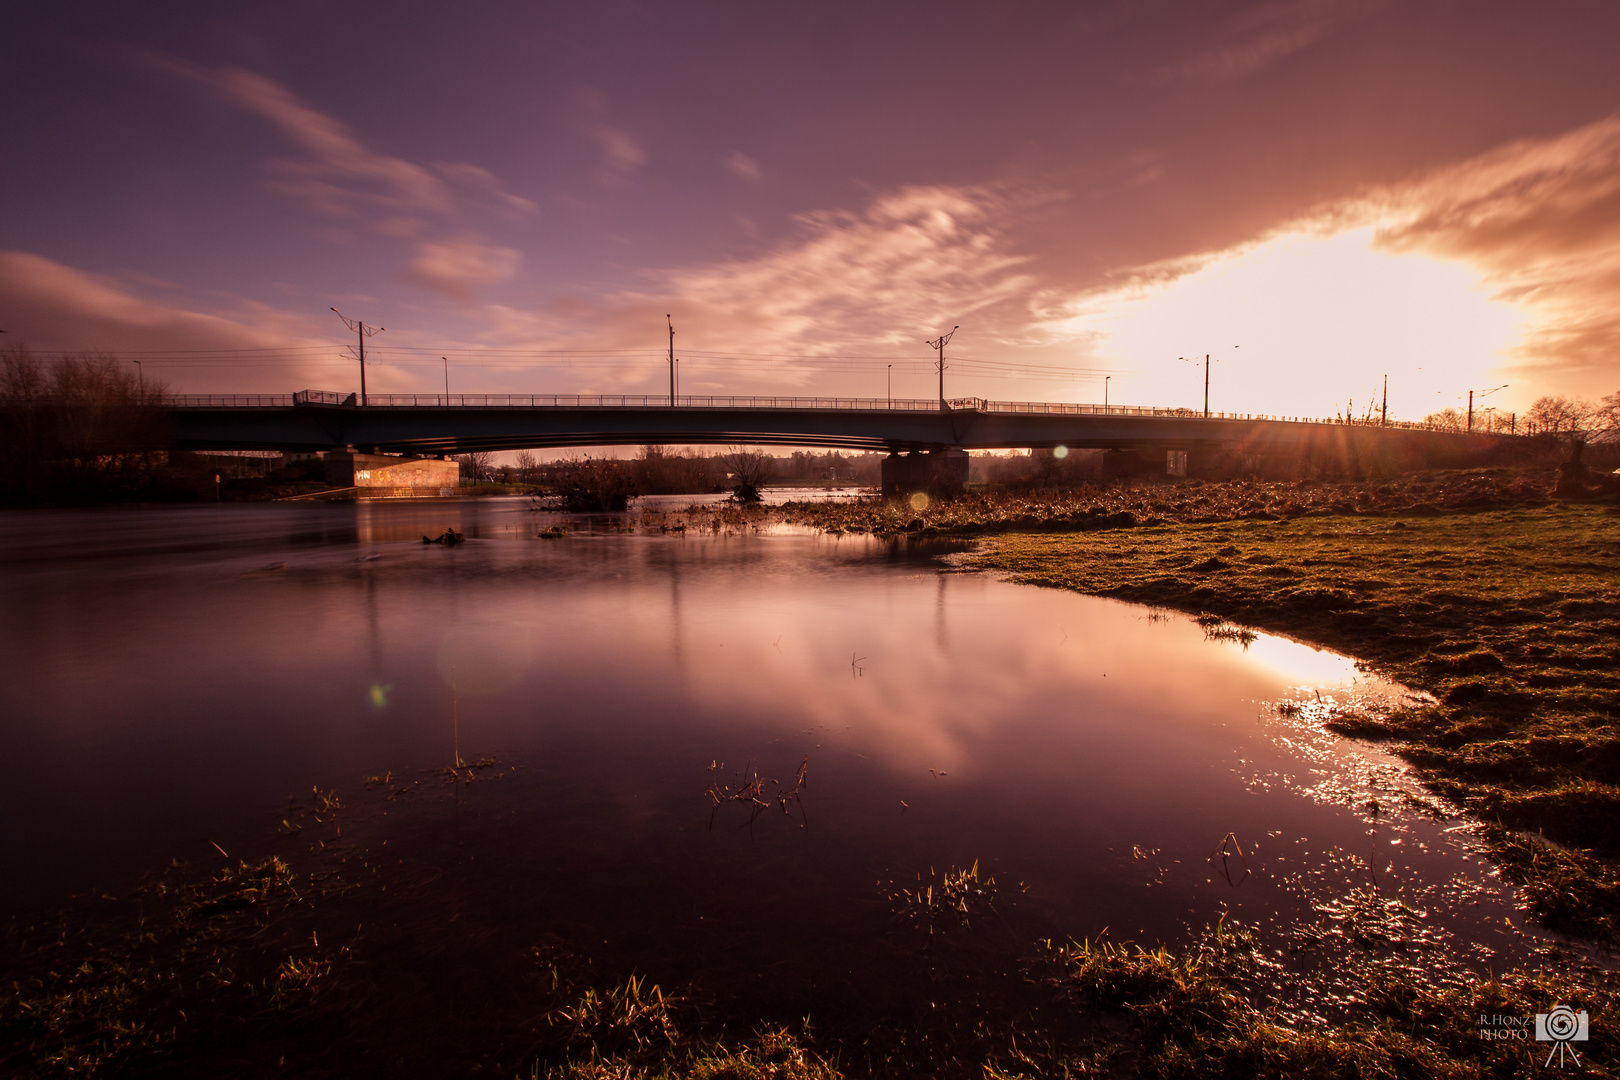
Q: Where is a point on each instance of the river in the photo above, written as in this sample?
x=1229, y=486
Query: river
x=179, y=677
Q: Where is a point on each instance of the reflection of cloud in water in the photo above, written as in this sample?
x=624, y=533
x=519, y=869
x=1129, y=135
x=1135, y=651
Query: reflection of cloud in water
x=485, y=654
x=923, y=700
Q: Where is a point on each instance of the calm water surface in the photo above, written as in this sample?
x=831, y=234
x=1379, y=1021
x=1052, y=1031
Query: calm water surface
x=175, y=674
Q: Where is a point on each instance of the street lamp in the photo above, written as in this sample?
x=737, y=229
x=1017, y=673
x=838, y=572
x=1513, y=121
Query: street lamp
x=891, y=386
x=446, y=360
x=1481, y=393
x=1105, y=391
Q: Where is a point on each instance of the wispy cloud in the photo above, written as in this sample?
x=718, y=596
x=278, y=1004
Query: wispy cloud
x=740, y=164
x=911, y=262
x=1540, y=220
x=336, y=170
x=455, y=268
x=1266, y=33
x=336, y=174
x=53, y=307
x=621, y=153
x=1505, y=265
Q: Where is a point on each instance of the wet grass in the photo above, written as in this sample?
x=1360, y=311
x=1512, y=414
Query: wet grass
x=1100, y=507
x=1509, y=616
x=1189, y=1022
x=335, y=957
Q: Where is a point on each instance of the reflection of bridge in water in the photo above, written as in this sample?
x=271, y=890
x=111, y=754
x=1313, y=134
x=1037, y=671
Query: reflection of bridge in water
x=928, y=440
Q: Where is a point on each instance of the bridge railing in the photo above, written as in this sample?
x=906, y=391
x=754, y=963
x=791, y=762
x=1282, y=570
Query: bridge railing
x=686, y=401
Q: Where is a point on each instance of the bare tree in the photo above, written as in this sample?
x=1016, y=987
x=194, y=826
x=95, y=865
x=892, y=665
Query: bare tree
x=1447, y=420
x=749, y=470
x=1606, y=419
x=1555, y=415
x=527, y=463
x=82, y=429
x=586, y=484
x=476, y=466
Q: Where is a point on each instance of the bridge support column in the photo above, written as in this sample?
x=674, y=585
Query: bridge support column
x=948, y=471
x=942, y=472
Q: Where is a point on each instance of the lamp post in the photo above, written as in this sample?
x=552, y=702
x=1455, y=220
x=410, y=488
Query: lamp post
x=446, y=360
x=1105, y=391
x=891, y=386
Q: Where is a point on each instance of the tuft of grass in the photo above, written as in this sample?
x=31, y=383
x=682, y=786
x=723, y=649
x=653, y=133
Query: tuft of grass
x=773, y=1055
x=957, y=896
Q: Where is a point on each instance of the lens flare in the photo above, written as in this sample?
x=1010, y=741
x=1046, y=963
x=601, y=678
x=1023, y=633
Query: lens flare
x=919, y=501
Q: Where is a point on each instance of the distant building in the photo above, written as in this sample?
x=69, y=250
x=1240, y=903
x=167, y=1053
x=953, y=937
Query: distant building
x=385, y=475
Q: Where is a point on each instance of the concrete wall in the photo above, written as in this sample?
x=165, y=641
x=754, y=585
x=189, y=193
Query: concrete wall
x=345, y=468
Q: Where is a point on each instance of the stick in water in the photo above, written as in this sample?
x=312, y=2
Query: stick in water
x=455, y=726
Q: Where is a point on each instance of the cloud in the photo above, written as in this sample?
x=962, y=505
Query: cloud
x=913, y=260
x=56, y=308
x=1500, y=267
x=1266, y=33
x=454, y=268
x=337, y=170
x=337, y=174
x=742, y=165
x=1539, y=219
x=620, y=151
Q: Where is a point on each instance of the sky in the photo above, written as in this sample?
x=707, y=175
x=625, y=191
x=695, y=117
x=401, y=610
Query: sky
x=1316, y=194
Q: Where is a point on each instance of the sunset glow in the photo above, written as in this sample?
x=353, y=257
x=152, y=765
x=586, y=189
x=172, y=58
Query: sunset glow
x=1304, y=323
x=1089, y=198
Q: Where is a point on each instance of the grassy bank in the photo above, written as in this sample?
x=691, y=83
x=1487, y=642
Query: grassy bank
x=1508, y=614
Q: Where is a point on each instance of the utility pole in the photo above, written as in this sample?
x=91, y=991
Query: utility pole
x=671, y=320
x=1482, y=393
x=1194, y=360
x=939, y=343
x=1383, y=419
x=362, y=331
x=140, y=379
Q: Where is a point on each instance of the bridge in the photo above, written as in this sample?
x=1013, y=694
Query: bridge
x=934, y=436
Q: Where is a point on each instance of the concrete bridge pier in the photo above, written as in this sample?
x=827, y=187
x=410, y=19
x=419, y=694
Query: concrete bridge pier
x=941, y=472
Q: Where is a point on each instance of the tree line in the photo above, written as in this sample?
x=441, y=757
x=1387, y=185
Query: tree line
x=80, y=430
x=1596, y=421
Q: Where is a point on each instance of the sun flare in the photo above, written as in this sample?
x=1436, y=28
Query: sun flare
x=1305, y=324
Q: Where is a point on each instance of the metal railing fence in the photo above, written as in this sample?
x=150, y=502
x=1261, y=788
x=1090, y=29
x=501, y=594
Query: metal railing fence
x=685, y=401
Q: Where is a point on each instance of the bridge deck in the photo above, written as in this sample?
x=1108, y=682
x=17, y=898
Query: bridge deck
x=433, y=424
